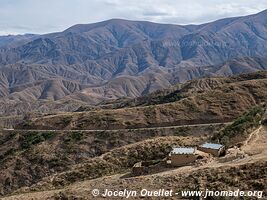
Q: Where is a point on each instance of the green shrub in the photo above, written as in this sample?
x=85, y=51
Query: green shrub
x=264, y=120
x=76, y=136
x=7, y=153
x=66, y=120
x=33, y=138
x=239, y=128
x=172, y=97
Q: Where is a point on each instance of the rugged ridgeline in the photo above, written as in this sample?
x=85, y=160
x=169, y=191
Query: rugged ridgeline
x=118, y=58
x=199, y=101
x=181, y=91
x=10, y=41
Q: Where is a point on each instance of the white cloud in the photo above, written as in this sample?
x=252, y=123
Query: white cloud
x=42, y=16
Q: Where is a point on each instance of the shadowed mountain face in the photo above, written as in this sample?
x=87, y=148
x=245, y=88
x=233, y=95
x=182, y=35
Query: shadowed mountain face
x=12, y=41
x=119, y=58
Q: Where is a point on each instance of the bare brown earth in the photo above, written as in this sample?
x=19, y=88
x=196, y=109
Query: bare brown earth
x=53, y=161
x=34, y=161
x=246, y=170
x=199, y=101
x=89, y=63
x=27, y=157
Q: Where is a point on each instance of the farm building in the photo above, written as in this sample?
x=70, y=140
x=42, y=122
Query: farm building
x=182, y=156
x=146, y=167
x=214, y=149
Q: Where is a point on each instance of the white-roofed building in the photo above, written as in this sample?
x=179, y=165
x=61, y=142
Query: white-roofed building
x=180, y=156
x=212, y=148
x=183, y=150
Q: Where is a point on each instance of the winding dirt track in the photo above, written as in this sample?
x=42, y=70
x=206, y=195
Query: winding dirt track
x=254, y=149
x=114, y=130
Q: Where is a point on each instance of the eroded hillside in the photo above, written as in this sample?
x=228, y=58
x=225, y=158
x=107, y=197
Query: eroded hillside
x=245, y=162
x=90, y=63
x=27, y=157
x=199, y=101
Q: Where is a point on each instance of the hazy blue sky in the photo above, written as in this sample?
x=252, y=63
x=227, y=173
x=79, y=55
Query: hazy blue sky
x=43, y=16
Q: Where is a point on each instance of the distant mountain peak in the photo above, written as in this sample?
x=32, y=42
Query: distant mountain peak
x=262, y=12
x=117, y=57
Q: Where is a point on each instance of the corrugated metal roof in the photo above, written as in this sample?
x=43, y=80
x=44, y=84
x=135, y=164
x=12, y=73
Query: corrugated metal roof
x=212, y=146
x=183, y=150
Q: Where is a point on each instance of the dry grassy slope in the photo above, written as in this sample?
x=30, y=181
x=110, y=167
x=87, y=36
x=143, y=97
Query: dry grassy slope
x=68, y=163
x=115, y=161
x=53, y=89
x=119, y=58
x=247, y=173
x=13, y=108
x=202, y=101
x=66, y=94
x=129, y=86
x=183, y=90
x=26, y=158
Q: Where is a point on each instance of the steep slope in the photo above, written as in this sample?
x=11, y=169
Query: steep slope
x=187, y=89
x=15, y=40
x=28, y=157
x=246, y=170
x=227, y=38
x=240, y=65
x=153, y=55
x=199, y=101
x=20, y=96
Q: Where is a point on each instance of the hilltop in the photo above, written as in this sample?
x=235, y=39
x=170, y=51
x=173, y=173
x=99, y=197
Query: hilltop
x=89, y=63
x=199, y=101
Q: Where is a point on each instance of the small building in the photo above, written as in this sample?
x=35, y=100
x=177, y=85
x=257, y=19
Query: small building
x=148, y=167
x=214, y=149
x=138, y=169
x=182, y=156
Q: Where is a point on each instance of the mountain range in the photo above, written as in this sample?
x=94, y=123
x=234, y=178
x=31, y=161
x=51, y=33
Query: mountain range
x=92, y=63
x=66, y=155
